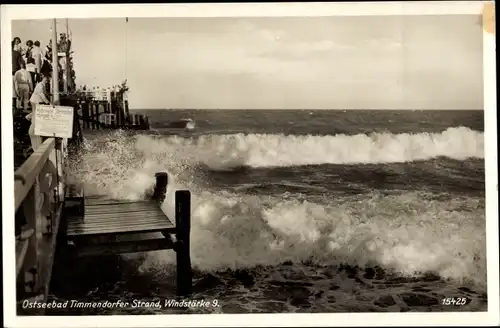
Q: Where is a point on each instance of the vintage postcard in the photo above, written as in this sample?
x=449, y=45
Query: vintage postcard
x=279, y=164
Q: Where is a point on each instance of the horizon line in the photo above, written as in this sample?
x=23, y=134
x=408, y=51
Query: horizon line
x=317, y=109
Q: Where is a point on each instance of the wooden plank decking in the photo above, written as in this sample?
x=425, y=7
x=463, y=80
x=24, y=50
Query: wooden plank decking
x=99, y=226
x=109, y=216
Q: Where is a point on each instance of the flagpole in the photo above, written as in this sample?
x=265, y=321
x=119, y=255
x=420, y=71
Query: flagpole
x=66, y=79
x=55, y=66
x=126, y=45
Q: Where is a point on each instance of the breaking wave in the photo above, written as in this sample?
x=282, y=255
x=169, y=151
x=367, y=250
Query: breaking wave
x=223, y=152
x=406, y=234
x=409, y=233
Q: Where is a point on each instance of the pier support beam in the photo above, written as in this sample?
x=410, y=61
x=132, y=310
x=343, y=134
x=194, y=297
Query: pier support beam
x=127, y=112
x=92, y=115
x=96, y=117
x=183, y=231
x=85, y=114
x=181, y=238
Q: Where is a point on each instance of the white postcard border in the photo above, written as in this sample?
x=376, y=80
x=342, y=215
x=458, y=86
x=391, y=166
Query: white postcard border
x=491, y=317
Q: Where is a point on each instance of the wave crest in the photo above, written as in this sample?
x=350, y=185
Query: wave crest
x=224, y=152
x=406, y=233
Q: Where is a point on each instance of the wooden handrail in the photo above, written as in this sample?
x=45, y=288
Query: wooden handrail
x=21, y=250
x=26, y=175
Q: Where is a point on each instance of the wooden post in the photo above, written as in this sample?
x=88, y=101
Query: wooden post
x=94, y=110
x=120, y=115
x=183, y=231
x=127, y=113
x=182, y=249
x=94, y=114
x=67, y=68
x=77, y=126
x=117, y=115
x=97, y=115
x=91, y=103
x=85, y=114
x=160, y=191
x=91, y=114
x=55, y=65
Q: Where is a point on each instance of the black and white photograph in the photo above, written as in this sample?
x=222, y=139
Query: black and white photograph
x=188, y=162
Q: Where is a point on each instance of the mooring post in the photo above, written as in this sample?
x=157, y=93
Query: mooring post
x=183, y=230
x=160, y=190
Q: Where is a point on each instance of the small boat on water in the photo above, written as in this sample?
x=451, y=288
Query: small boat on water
x=185, y=123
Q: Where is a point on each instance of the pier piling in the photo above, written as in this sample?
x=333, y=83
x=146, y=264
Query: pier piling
x=96, y=117
x=85, y=114
x=182, y=249
x=160, y=190
x=92, y=115
x=181, y=238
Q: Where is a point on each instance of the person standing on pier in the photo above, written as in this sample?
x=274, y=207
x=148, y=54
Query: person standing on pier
x=36, y=54
x=37, y=98
x=31, y=68
x=16, y=45
x=17, y=58
x=48, y=52
x=27, y=53
x=23, y=85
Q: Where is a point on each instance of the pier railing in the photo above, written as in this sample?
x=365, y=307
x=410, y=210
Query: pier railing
x=39, y=197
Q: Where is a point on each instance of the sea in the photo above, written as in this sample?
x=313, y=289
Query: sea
x=311, y=211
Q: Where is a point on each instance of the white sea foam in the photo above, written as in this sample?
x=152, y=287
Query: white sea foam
x=222, y=152
x=406, y=233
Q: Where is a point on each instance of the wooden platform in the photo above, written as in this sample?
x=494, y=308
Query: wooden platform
x=104, y=226
x=98, y=226
x=109, y=216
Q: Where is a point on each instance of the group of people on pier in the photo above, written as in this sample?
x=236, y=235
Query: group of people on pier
x=32, y=65
x=32, y=72
x=32, y=68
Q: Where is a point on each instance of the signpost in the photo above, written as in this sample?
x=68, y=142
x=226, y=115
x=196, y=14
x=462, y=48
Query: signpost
x=54, y=121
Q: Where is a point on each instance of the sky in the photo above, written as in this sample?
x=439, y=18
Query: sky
x=341, y=62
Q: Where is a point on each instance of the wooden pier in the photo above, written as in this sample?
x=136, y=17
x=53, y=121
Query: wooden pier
x=101, y=109
x=101, y=226
x=51, y=213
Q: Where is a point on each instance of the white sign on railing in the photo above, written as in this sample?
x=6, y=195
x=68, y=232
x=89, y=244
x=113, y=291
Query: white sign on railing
x=54, y=121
